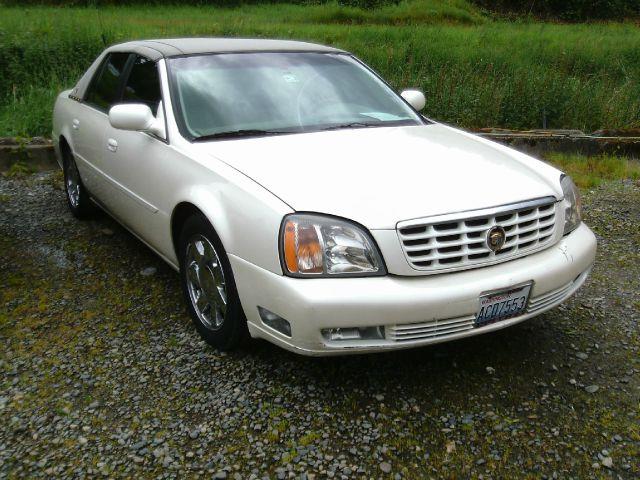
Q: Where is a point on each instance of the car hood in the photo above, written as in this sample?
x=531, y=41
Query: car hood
x=380, y=176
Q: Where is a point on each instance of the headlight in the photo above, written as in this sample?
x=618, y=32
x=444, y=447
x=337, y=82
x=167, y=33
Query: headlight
x=572, y=204
x=324, y=246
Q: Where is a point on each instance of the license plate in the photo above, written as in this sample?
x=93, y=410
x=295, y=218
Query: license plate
x=502, y=304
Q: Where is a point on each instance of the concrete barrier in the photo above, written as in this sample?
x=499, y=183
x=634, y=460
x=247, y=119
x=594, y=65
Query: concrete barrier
x=38, y=152
x=541, y=142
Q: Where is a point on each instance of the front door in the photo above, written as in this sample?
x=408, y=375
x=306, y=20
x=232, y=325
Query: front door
x=132, y=160
x=90, y=123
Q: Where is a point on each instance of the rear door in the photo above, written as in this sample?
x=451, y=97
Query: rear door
x=91, y=121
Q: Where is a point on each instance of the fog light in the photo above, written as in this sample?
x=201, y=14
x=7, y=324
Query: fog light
x=355, y=333
x=275, y=321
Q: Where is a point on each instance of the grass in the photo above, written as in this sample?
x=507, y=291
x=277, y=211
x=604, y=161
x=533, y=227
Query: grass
x=476, y=71
x=406, y=13
x=589, y=172
x=19, y=169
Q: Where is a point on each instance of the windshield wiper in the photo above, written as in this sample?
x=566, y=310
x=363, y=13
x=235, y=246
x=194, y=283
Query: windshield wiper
x=352, y=125
x=391, y=123
x=239, y=133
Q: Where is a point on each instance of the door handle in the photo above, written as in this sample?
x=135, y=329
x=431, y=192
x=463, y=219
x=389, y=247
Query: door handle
x=75, y=124
x=112, y=145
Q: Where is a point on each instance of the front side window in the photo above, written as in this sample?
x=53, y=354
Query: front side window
x=280, y=92
x=143, y=84
x=104, y=90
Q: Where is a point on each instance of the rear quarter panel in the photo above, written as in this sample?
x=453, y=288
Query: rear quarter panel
x=62, y=115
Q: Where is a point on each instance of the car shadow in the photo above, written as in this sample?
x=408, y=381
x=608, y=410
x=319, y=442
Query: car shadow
x=518, y=357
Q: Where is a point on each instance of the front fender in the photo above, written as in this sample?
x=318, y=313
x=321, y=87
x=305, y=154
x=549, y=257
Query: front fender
x=245, y=216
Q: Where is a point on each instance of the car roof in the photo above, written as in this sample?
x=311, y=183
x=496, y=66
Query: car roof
x=171, y=47
x=175, y=47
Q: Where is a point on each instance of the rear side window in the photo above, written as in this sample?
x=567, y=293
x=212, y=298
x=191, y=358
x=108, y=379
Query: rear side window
x=104, y=90
x=143, y=84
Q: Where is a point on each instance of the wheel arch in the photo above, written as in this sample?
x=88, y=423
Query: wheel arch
x=179, y=216
x=186, y=209
x=64, y=147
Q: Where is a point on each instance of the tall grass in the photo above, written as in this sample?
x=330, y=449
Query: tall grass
x=589, y=172
x=476, y=72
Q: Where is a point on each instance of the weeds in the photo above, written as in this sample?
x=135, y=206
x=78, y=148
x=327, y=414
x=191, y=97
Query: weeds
x=589, y=172
x=19, y=169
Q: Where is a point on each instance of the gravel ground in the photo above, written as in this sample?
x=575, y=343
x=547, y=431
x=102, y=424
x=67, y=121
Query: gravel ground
x=102, y=373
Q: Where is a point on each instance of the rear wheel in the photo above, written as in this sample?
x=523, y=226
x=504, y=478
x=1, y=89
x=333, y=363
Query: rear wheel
x=77, y=195
x=209, y=287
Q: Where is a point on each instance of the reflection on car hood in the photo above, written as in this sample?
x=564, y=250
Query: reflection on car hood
x=380, y=176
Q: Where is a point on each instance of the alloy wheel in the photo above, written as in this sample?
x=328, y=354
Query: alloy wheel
x=73, y=183
x=206, y=283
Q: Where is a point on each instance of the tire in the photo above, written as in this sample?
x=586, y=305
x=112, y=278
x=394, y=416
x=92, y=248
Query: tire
x=78, y=197
x=209, y=287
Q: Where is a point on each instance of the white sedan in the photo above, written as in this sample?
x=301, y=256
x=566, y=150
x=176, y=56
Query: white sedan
x=304, y=202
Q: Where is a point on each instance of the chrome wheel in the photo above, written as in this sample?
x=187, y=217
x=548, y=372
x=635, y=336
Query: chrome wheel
x=73, y=183
x=206, y=283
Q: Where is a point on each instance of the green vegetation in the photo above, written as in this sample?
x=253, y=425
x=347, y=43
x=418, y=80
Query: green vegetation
x=590, y=172
x=476, y=71
x=19, y=169
x=568, y=10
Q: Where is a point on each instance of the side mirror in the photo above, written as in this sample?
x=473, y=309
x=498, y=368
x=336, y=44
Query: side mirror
x=136, y=117
x=415, y=98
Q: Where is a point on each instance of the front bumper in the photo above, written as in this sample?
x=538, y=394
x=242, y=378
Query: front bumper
x=428, y=309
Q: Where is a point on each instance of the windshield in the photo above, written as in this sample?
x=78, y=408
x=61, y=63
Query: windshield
x=254, y=93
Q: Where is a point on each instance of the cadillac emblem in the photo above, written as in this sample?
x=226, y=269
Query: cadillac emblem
x=496, y=237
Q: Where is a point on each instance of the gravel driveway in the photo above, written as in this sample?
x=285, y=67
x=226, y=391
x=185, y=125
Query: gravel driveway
x=102, y=373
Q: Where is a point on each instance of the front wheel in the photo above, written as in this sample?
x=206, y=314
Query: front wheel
x=209, y=287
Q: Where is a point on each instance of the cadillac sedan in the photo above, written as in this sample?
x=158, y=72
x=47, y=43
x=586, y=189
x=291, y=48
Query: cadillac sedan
x=304, y=202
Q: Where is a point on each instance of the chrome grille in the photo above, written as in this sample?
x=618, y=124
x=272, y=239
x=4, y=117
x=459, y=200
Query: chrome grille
x=443, y=328
x=458, y=241
x=549, y=298
x=435, y=328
